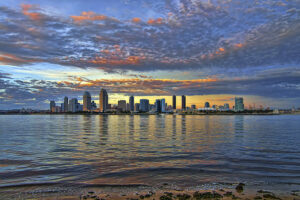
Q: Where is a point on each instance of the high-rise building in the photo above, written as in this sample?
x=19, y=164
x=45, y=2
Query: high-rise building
x=122, y=105
x=239, y=104
x=183, y=102
x=127, y=107
x=158, y=105
x=52, y=105
x=174, y=101
x=73, y=105
x=87, y=101
x=226, y=106
x=93, y=105
x=137, y=107
x=206, y=105
x=163, y=105
x=66, y=106
x=131, y=103
x=193, y=107
x=103, y=100
x=144, y=105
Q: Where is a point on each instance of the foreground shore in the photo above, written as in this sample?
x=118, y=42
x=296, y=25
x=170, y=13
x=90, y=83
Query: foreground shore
x=239, y=191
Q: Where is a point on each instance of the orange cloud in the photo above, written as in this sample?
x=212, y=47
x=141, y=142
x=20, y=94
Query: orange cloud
x=131, y=60
x=32, y=15
x=240, y=45
x=155, y=21
x=136, y=20
x=10, y=59
x=88, y=16
x=221, y=49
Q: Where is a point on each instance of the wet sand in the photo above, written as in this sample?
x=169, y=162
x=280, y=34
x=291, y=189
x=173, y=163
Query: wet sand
x=164, y=192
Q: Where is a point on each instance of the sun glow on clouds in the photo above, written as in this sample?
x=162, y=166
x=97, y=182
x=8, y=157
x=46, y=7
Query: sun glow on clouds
x=182, y=47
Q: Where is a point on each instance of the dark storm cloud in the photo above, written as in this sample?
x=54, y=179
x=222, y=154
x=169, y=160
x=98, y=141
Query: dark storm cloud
x=190, y=35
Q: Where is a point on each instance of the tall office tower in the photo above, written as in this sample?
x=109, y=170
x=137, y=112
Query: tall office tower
x=103, y=100
x=66, y=106
x=183, y=102
x=239, y=104
x=158, y=105
x=174, y=101
x=137, y=107
x=144, y=105
x=163, y=105
x=131, y=103
x=122, y=105
x=226, y=106
x=206, y=105
x=87, y=101
x=52, y=106
x=73, y=105
x=93, y=105
x=127, y=107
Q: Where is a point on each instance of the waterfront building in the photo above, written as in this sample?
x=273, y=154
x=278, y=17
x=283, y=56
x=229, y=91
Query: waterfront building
x=214, y=106
x=239, y=104
x=103, y=100
x=144, y=105
x=158, y=105
x=66, y=105
x=122, y=105
x=87, y=101
x=226, y=106
x=131, y=102
x=174, y=101
x=127, y=107
x=206, y=105
x=183, y=102
x=163, y=105
x=137, y=107
x=52, y=105
x=73, y=105
x=93, y=105
x=193, y=107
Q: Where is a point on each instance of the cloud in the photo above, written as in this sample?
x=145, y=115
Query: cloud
x=193, y=35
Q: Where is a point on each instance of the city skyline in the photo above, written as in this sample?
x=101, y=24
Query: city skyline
x=202, y=49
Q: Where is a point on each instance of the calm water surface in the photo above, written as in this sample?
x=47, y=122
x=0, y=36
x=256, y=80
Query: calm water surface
x=123, y=149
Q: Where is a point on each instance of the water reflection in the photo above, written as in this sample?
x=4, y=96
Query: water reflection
x=149, y=149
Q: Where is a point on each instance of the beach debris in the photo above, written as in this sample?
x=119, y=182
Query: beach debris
x=207, y=195
x=270, y=196
x=240, y=187
x=183, y=196
x=228, y=194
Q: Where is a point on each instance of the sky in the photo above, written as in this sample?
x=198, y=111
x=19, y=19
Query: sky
x=208, y=50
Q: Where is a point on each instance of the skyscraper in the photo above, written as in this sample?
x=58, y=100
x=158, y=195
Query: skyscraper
x=66, y=107
x=73, y=105
x=163, y=105
x=239, y=104
x=206, y=105
x=144, y=105
x=52, y=106
x=103, y=100
x=122, y=105
x=137, y=107
x=87, y=101
x=158, y=105
x=131, y=103
x=174, y=101
x=183, y=102
x=226, y=106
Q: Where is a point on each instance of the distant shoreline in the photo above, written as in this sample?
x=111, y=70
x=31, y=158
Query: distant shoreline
x=198, y=114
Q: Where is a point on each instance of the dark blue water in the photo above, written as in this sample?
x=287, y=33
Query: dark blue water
x=123, y=149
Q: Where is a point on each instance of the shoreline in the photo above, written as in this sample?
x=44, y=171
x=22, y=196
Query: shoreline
x=197, y=114
x=135, y=192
